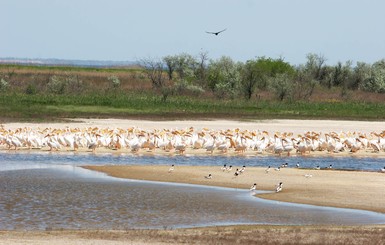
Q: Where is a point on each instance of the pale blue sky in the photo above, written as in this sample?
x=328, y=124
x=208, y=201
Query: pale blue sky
x=128, y=30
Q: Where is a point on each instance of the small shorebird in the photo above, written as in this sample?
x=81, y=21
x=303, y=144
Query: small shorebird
x=330, y=166
x=279, y=187
x=297, y=165
x=171, y=168
x=267, y=170
x=208, y=176
x=318, y=167
x=277, y=169
x=308, y=175
x=229, y=168
x=253, y=187
x=242, y=169
x=383, y=170
x=236, y=173
x=224, y=167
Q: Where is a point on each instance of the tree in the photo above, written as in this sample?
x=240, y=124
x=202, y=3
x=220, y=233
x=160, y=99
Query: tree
x=361, y=73
x=376, y=80
x=249, y=78
x=303, y=83
x=223, y=76
x=154, y=70
x=340, y=75
x=315, y=66
x=170, y=62
x=281, y=85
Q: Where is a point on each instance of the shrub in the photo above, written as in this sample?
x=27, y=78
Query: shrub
x=114, y=81
x=56, y=85
x=31, y=89
x=3, y=85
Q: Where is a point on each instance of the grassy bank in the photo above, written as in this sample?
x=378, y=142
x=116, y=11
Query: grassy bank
x=19, y=106
x=41, y=93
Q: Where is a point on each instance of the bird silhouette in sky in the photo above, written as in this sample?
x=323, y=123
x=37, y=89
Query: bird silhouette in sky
x=216, y=33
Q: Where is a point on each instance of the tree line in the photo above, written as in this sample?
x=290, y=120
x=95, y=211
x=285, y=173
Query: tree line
x=225, y=78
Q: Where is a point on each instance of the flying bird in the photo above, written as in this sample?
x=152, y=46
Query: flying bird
x=216, y=33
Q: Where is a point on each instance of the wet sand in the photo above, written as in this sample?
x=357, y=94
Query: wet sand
x=346, y=189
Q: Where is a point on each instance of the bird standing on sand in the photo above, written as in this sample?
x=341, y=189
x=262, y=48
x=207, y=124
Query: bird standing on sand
x=216, y=33
x=383, y=170
x=253, y=187
x=224, y=167
x=236, y=173
x=208, y=176
x=171, y=168
x=267, y=170
x=279, y=187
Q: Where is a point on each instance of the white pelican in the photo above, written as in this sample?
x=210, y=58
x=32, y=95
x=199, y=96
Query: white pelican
x=279, y=187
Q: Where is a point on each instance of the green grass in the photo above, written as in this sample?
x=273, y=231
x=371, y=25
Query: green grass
x=125, y=105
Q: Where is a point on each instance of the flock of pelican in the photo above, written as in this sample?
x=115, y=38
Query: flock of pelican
x=235, y=140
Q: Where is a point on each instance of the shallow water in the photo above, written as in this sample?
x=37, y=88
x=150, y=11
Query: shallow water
x=43, y=191
x=78, y=159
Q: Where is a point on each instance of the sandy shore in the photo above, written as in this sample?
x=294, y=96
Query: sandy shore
x=347, y=189
x=294, y=126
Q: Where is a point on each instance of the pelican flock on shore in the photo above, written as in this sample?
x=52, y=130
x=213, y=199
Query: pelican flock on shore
x=134, y=139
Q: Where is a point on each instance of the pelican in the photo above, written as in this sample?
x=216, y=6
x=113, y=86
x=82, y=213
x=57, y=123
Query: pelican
x=279, y=187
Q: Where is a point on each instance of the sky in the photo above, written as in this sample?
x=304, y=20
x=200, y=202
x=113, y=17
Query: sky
x=130, y=30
